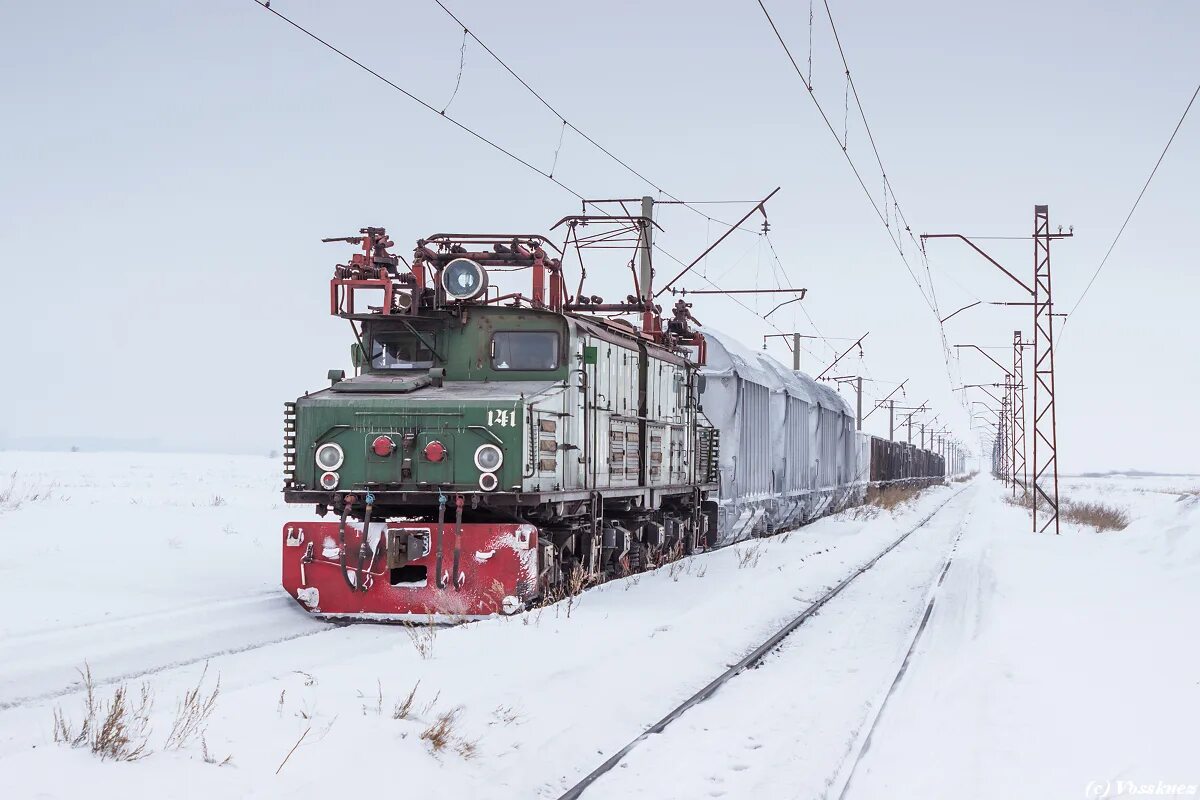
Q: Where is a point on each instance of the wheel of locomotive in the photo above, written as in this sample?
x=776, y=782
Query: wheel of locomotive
x=687, y=538
x=712, y=514
x=635, y=561
x=570, y=566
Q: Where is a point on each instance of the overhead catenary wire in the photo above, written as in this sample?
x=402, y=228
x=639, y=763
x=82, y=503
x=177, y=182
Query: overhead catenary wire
x=462, y=64
x=567, y=124
x=889, y=189
x=825, y=339
x=1138, y=200
x=930, y=296
x=479, y=136
x=475, y=134
x=549, y=175
x=803, y=310
x=845, y=152
x=734, y=298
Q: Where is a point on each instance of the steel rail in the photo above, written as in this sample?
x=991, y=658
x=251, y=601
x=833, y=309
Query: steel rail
x=903, y=669
x=747, y=662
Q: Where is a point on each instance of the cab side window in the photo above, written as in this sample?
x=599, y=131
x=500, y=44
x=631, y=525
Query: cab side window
x=525, y=350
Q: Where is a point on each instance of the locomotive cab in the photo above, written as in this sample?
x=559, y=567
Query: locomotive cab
x=441, y=403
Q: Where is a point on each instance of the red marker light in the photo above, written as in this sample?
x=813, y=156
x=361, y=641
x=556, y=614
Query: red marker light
x=435, y=451
x=383, y=446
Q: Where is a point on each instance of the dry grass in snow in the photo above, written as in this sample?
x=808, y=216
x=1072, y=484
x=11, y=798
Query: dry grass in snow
x=423, y=636
x=748, y=556
x=891, y=497
x=192, y=713
x=441, y=734
x=1100, y=516
x=404, y=707
x=119, y=729
x=14, y=494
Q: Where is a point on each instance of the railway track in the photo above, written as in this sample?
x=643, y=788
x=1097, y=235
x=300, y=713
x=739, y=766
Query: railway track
x=863, y=743
x=42, y=665
x=755, y=656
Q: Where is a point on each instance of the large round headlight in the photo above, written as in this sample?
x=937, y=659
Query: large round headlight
x=488, y=458
x=463, y=279
x=330, y=457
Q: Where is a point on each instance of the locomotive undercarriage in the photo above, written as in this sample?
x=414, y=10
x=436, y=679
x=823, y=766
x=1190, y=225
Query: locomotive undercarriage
x=611, y=537
x=601, y=537
x=464, y=555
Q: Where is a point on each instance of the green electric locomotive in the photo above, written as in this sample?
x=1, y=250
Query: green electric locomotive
x=491, y=447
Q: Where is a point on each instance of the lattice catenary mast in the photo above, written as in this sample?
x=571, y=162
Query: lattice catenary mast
x=1045, y=433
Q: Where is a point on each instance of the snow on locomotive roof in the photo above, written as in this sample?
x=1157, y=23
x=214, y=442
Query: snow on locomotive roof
x=731, y=357
x=375, y=384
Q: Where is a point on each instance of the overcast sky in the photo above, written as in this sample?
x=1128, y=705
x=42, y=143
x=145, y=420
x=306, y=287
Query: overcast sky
x=169, y=169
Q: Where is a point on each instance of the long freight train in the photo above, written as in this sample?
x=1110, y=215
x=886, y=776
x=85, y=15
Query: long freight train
x=493, y=447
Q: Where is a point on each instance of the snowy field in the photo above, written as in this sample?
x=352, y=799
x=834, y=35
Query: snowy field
x=1052, y=667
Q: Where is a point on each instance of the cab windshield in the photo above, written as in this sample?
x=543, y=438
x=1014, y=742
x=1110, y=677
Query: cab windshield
x=401, y=350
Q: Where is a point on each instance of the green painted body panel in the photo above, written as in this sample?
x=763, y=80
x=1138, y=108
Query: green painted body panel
x=478, y=404
x=353, y=421
x=466, y=345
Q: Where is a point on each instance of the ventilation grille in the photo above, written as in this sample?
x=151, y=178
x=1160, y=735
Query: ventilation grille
x=708, y=451
x=289, y=444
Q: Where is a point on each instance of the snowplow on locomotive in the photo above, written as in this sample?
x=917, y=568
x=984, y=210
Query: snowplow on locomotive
x=492, y=447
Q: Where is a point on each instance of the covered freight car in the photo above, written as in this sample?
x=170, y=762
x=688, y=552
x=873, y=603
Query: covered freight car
x=901, y=462
x=789, y=452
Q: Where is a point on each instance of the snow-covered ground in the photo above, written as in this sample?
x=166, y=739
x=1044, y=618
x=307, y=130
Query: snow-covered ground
x=1047, y=663
x=1055, y=667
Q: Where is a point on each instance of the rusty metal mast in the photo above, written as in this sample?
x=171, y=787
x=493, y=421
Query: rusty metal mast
x=1020, y=467
x=1006, y=466
x=1045, y=431
x=1045, y=427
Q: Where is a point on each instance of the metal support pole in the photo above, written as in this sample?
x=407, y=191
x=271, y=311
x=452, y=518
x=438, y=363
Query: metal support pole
x=857, y=344
x=858, y=386
x=760, y=207
x=1012, y=432
x=646, y=268
x=891, y=420
x=1006, y=428
x=1020, y=468
x=796, y=352
x=1045, y=432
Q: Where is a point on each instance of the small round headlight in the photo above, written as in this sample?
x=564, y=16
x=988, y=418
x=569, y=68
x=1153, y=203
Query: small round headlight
x=329, y=481
x=488, y=481
x=330, y=457
x=488, y=458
